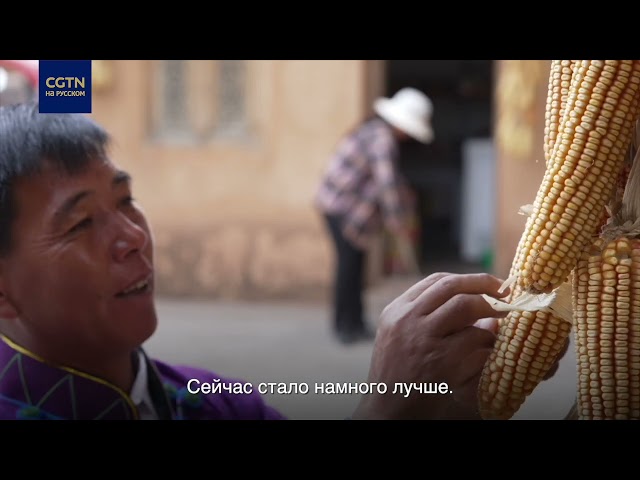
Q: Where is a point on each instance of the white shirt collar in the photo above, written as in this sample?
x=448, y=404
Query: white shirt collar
x=140, y=391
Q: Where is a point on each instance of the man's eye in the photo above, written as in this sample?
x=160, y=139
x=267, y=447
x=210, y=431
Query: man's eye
x=127, y=201
x=80, y=225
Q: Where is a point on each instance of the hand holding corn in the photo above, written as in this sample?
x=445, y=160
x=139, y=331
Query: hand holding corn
x=440, y=330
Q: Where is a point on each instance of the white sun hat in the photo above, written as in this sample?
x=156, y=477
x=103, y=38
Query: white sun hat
x=409, y=110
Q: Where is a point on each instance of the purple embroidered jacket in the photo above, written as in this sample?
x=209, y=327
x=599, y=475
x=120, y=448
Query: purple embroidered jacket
x=31, y=389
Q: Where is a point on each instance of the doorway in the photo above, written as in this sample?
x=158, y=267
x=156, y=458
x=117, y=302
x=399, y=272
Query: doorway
x=461, y=92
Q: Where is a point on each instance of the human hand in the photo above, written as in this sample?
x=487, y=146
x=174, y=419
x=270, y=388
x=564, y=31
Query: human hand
x=439, y=330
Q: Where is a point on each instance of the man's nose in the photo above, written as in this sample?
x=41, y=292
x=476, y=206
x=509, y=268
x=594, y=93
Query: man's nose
x=130, y=237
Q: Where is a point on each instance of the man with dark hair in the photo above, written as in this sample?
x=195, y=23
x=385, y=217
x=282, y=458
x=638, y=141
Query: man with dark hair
x=76, y=301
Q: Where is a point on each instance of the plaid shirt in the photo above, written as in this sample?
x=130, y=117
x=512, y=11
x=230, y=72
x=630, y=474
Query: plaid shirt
x=362, y=184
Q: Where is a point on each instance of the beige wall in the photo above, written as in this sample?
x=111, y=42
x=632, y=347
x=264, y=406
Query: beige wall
x=520, y=101
x=236, y=219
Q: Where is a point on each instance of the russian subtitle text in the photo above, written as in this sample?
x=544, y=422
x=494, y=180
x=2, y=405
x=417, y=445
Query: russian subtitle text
x=216, y=386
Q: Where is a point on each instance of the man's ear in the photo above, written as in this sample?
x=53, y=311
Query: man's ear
x=7, y=310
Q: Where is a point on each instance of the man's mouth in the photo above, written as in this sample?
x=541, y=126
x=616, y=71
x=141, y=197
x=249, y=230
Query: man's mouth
x=138, y=288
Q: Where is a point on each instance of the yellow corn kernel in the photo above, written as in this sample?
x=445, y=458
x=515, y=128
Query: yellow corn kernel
x=586, y=160
x=606, y=292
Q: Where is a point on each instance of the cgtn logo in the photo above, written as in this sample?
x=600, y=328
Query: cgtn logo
x=65, y=86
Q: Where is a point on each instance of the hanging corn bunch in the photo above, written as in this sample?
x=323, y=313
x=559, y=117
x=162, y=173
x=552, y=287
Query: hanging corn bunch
x=606, y=289
x=591, y=110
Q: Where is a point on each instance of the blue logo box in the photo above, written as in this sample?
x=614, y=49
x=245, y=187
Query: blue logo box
x=64, y=86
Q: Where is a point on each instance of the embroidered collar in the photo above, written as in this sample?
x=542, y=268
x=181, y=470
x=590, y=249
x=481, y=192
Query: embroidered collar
x=140, y=390
x=32, y=388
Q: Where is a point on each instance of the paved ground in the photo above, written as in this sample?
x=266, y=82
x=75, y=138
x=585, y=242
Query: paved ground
x=267, y=342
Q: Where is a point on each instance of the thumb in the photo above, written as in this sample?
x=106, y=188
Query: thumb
x=490, y=324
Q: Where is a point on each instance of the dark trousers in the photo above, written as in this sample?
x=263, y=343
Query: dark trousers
x=348, y=315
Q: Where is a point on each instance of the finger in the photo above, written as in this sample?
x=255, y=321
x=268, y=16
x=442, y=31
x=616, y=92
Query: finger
x=467, y=392
x=451, y=285
x=414, y=291
x=461, y=311
x=471, y=338
x=491, y=324
x=470, y=348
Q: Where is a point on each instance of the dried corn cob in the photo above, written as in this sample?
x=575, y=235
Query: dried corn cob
x=606, y=298
x=527, y=346
x=607, y=329
x=560, y=75
x=585, y=162
x=581, y=172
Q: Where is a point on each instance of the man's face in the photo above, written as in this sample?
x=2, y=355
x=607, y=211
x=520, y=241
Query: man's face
x=80, y=270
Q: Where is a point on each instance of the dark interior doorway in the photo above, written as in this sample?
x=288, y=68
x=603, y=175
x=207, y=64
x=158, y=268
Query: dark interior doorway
x=461, y=91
